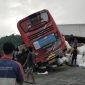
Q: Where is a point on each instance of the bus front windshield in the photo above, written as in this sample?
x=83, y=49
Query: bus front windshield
x=37, y=20
x=38, y=17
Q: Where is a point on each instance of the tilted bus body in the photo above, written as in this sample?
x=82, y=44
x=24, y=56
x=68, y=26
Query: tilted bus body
x=41, y=32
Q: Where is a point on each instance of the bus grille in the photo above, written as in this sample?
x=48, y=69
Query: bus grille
x=40, y=33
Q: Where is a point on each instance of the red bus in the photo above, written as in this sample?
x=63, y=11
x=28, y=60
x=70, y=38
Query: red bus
x=41, y=32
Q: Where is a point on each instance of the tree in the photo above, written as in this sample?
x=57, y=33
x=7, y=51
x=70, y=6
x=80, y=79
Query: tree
x=15, y=39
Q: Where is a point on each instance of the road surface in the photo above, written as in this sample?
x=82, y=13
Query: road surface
x=65, y=75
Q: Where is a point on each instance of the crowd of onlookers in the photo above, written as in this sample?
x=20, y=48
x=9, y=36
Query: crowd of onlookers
x=12, y=63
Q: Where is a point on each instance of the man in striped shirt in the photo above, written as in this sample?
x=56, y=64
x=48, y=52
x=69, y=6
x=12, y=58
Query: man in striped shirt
x=11, y=71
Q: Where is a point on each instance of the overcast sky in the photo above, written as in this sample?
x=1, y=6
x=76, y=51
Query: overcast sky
x=63, y=12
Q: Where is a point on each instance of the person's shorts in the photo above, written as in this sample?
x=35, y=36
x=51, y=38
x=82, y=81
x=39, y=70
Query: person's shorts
x=29, y=70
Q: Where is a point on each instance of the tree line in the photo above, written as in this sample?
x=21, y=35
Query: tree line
x=15, y=39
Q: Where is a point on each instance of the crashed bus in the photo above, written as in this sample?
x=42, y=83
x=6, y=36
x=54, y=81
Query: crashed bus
x=40, y=31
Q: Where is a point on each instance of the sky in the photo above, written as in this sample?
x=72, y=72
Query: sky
x=63, y=12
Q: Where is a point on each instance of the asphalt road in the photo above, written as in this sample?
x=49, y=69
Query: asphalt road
x=62, y=76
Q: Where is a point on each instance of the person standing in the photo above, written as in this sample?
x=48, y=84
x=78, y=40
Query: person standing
x=74, y=54
x=11, y=72
x=30, y=62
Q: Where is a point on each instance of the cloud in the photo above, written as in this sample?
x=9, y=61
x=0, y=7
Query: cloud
x=63, y=12
x=14, y=4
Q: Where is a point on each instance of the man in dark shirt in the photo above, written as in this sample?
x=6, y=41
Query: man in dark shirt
x=74, y=55
x=11, y=72
x=30, y=64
